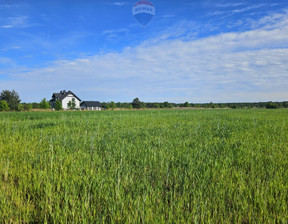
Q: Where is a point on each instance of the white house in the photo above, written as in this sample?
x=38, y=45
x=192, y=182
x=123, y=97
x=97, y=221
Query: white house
x=65, y=98
x=91, y=105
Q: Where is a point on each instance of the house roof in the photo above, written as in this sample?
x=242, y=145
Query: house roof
x=91, y=104
x=63, y=94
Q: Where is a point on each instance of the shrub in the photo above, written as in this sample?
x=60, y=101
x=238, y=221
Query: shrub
x=4, y=105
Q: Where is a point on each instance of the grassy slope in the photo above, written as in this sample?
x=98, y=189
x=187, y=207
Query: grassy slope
x=218, y=166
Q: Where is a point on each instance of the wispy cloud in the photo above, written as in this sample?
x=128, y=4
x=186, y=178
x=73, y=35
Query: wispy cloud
x=115, y=31
x=228, y=5
x=15, y=22
x=8, y=6
x=256, y=6
x=114, y=34
x=4, y=60
x=228, y=10
x=272, y=21
x=119, y=3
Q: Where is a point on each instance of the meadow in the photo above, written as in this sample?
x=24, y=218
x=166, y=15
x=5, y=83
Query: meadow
x=148, y=166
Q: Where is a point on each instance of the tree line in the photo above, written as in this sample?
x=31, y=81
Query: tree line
x=10, y=101
x=137, y=104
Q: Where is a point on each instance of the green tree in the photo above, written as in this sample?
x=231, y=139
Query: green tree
x=136, y=104
x=71, y=104
x=20, y=107
x=186, y=104
x=271, y=105
x=58, y=105
x=212, y=105
x=44, y=104
x=4, y=105
x=156, y=105
x=112, y=105
x=35, y=105
x=11, y=97
x=167, y=104
x=27, y=106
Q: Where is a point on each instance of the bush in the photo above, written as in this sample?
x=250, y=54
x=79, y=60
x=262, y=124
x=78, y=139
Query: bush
x=44, y=104
x=4, y=105
x=58, y=105
x=20, y=107
x=271, y=105
x=27, y=106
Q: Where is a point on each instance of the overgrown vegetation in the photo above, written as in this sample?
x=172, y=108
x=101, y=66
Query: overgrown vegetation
x=169, y=166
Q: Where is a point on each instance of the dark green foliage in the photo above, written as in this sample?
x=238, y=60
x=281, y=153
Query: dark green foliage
x=212, y=105
x=186, y=104
x=58, y=105
x=271, y=105
x=20, y=107
x=44, y=104
x=112, y=105
x=167, y=105
x=35, y=105
x=136, y=104
x=27, y=106
x=4, y=105
x=11, y=97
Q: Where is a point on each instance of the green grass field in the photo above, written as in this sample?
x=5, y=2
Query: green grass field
x=161, y=166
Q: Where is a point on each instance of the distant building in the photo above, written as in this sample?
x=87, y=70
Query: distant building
x=65, y=98
x=91, y=105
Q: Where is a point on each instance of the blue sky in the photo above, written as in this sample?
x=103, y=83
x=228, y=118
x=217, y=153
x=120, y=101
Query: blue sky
x=195, y=51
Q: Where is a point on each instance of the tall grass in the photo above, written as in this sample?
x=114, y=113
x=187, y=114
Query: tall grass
x=203, y=166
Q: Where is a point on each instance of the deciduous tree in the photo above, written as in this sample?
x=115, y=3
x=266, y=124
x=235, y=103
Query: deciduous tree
x=136, y=103
x=11, y=97
x=44, y=104
x=4, y=105
x=58, y=105
x=20, y=107
x=112, y=105
x=186, y=104
x=27, y=106
x=71, y=104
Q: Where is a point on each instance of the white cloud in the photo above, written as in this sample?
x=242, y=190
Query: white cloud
x=230, y=5
x=6, y=26
x=119, y=3
x=6, y=61
x=7, y=6
x=272, y=21
x=15, y=22
x=239, y=66
x=227, y=10
x=247, y=8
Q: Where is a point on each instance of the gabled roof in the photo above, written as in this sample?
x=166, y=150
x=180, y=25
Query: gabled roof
x=91, y=104
x=63, y=94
